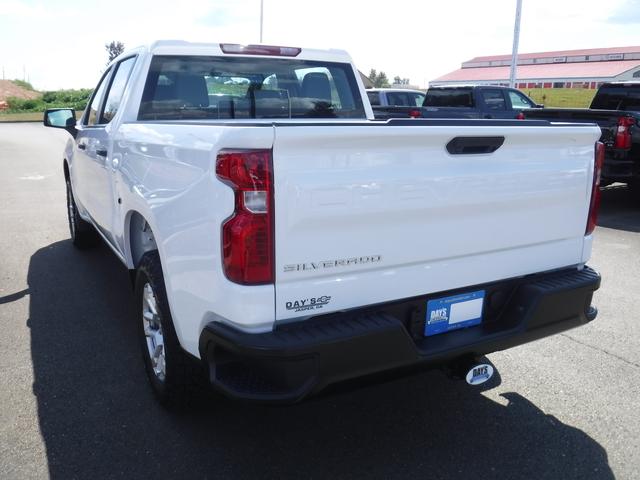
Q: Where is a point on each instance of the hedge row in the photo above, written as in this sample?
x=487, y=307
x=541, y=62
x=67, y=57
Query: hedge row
x=76, y=99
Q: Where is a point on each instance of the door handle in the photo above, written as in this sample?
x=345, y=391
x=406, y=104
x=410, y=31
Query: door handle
x=82, y=146
x=488, y=116
x=474, y=145
x=101, y=152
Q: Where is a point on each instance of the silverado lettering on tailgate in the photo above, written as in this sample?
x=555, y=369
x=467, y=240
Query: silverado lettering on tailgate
x=343, y=262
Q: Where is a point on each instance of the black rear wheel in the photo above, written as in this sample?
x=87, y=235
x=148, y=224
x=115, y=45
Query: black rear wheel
x=175, y=377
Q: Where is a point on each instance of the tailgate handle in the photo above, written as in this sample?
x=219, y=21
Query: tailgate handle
x=474, y=145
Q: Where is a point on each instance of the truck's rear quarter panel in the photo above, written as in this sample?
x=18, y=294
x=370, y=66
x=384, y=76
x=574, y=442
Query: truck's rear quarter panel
x=168, y=176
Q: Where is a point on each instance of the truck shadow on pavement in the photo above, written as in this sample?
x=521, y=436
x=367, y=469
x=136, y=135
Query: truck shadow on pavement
x=99, y=419
x=619, y=209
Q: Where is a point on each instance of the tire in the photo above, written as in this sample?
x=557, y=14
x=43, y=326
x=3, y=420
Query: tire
x=82, y=232
x=175, y=377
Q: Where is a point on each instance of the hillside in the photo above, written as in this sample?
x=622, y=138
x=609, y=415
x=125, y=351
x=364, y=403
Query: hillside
x=10, y=89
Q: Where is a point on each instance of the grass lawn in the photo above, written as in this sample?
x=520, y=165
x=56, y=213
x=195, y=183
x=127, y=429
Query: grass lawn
x=28, y=116
x=561, y=97
x=21, y=117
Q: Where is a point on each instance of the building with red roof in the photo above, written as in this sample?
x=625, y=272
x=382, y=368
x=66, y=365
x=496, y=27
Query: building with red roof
x=561, y=69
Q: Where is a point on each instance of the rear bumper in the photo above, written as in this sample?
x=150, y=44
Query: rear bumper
x=302, y=358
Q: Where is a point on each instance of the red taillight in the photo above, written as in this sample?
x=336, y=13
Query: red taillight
x=623, y=132
x=520, y=116
x=415, y=113
x=237, y=49
x=595, y=191
x=247, y=235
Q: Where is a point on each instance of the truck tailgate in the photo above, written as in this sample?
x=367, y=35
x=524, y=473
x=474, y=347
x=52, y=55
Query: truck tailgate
x=367, y=213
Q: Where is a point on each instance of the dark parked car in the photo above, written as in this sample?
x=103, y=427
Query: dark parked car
x=465, y=101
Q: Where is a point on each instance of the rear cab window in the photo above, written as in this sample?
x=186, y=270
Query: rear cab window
x=208, y=87
x=449, y=97
x=409, y=99
x=618, y=97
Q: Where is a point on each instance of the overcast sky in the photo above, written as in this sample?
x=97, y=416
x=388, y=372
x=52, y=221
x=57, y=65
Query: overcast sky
x=60, y=43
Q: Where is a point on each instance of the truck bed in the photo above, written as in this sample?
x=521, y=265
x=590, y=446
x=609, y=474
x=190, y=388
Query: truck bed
x=607, y=120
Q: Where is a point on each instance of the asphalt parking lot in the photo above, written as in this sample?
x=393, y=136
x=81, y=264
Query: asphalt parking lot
x=74, y=402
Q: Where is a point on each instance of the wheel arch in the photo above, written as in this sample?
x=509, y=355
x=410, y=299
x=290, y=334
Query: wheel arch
x=139, y=236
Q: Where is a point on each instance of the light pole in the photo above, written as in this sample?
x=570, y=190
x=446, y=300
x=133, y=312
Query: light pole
x=514, y=52
x=261, y=18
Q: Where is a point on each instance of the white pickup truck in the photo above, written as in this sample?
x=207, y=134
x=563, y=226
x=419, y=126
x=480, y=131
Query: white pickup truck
x=281, y=240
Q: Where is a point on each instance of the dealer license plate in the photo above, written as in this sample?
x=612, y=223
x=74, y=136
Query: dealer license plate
x=451, y=313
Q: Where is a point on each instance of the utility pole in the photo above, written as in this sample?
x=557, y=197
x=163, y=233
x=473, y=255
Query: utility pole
x=261, y=18
x=516, y=39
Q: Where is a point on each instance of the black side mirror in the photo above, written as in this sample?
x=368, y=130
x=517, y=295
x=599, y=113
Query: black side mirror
x=61, y=118
x=539, y=105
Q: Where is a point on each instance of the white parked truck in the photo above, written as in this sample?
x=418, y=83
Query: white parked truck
x=385, y=97
x=282, y=240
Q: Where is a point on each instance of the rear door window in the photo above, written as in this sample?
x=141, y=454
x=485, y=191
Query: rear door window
x=116, y=90
x=493, y=99
x=203, y=87
x=91, y=116
x=449, y=97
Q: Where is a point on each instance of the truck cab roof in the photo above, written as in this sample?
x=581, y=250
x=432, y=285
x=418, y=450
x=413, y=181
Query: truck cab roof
x=182, y=47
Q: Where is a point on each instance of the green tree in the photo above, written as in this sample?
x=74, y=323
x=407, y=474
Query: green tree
x=379, y=80
x=382, y=81
x=113, y=49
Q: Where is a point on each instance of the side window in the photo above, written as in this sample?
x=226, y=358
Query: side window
x=518, y=100
x=493, y=99
x=96, y=100
x=418, y=99
x=400, y=99
x=116, y=90
x=374, y=98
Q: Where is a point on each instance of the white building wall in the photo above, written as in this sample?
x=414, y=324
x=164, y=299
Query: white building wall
x=633, y=74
